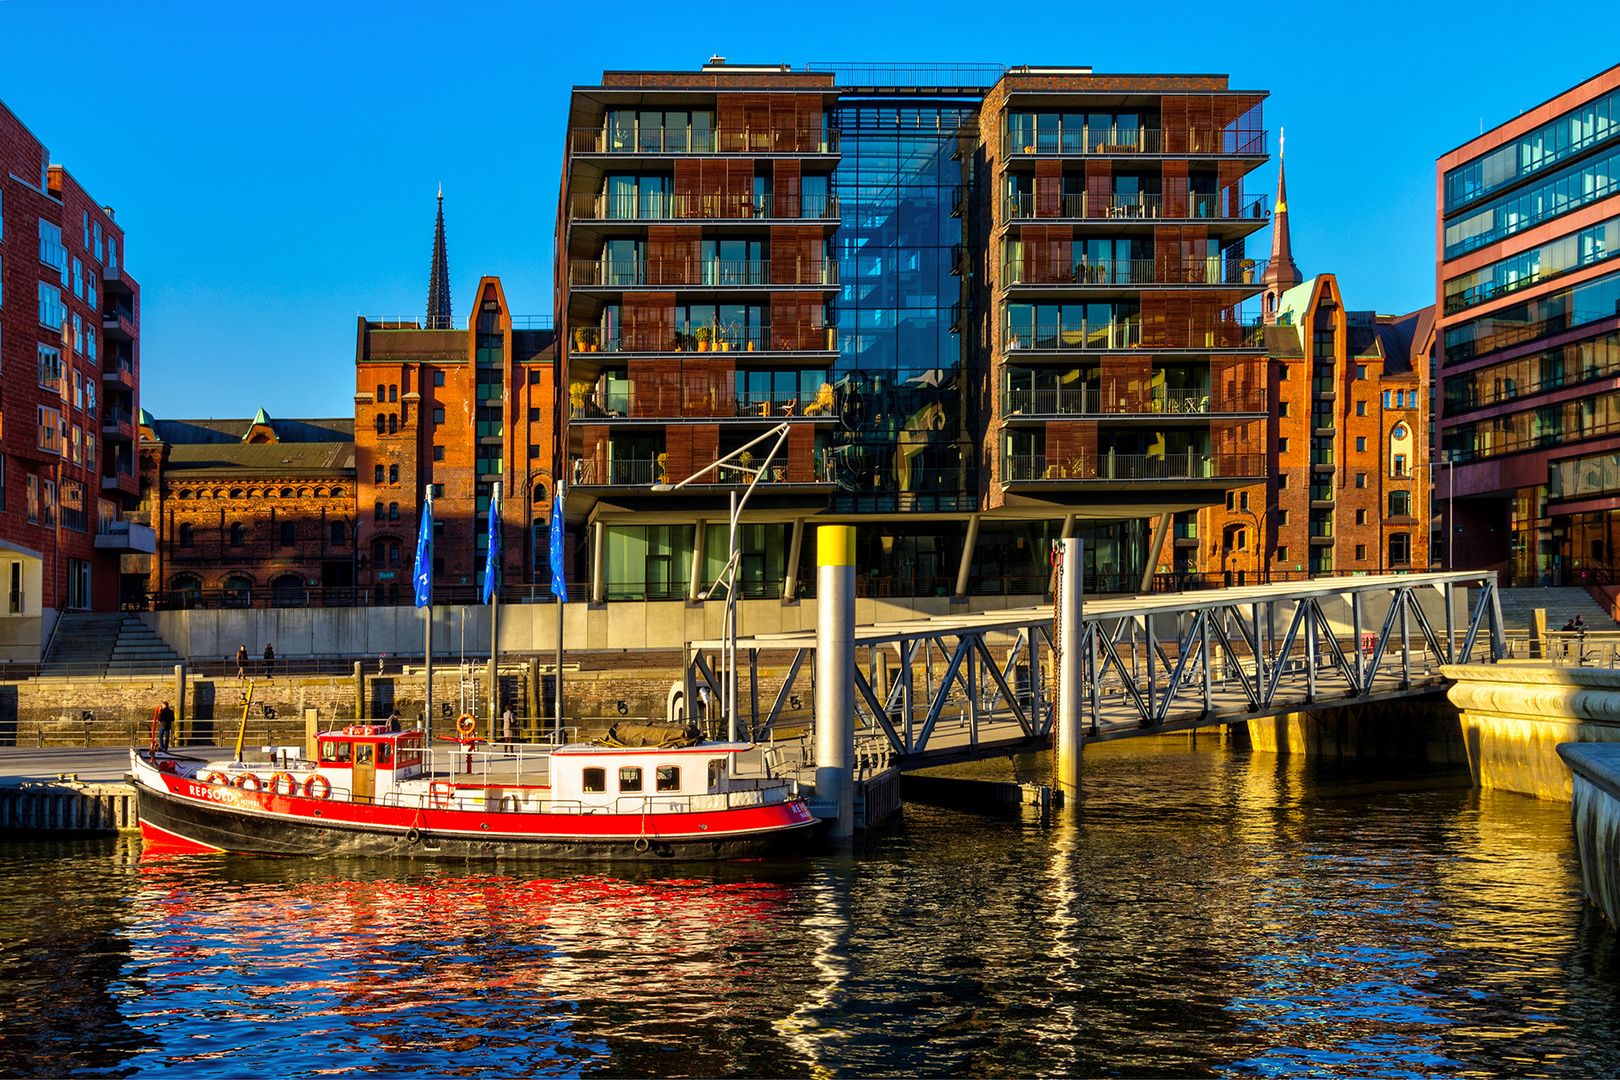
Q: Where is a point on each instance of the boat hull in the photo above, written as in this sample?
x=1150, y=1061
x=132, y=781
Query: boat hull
x=189, y=816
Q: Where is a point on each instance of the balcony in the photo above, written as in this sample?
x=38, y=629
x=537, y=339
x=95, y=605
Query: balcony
x=115, y=281
x=126, y=538
x=119, y=374
x=1081, y=207
x=117, y=425
x=644, y=472
x=706, y=339
x=584, y=206
x=620, y=142
x=712, y=273
x=1104, y=337
x=128, y=483
x=1087, y=402
x=1119, y=142
x=1118, y=272
x=118, y=323
x=683, y=397
x=1044, y=468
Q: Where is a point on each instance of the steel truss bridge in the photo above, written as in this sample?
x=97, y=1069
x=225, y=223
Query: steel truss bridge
x=959, y=687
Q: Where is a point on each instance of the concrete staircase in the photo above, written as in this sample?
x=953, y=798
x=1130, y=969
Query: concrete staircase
x=107, y=643
x=1561, y=605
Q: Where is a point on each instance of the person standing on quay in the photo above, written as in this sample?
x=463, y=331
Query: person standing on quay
x=165, y=726
x=507, y=719
x=241, y=661
x=269, y=660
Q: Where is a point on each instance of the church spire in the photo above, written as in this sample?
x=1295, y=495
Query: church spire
x=438, y=303
x=1281, y=273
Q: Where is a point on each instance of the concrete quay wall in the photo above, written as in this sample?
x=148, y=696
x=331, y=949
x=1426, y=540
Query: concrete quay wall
x=1423, y=729
x=1595, y=815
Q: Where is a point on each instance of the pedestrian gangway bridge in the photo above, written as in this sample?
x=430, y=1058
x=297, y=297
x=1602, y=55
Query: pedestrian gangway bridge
x=931, y=691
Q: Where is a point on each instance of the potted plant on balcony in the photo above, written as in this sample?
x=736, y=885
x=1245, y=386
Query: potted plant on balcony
x=663, y=468
x=576, y=395
x=703, y=338
x=590, y=340
x=1247, y=266
x=579, y=339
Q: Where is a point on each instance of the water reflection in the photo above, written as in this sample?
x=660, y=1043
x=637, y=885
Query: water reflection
x=1200, y=912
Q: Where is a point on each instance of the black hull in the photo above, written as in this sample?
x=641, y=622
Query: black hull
x=250, y=834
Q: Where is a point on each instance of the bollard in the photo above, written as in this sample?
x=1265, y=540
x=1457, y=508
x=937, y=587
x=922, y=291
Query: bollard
x=360, y=692
x=179, y=698
x=835, y=673
x=1067, y=731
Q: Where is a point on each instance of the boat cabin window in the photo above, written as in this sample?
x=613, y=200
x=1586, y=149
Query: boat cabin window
x=410, y=757
x=593, y=780
x=717, y=772
x=335, y=750
x=362, y=753
x=630, y=778
x=669, y=778
x=385, y=753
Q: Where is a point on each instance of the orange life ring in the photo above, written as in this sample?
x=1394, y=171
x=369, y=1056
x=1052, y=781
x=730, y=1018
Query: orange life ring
x=283, y=783
x=247, y=782
x=466, y=724
x=207, y=777
x=440, y=792
x=325, y=789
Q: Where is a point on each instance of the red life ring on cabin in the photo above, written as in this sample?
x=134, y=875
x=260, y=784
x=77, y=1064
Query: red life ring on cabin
x=440, y=792
x=247, y=782
x=206, y=777
x=283, y=784
x=325, y=789
x=363, y=729
x=466, y=724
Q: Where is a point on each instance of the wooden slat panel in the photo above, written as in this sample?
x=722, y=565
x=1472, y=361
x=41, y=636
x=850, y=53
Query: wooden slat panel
x=801, y=448
x=1099, y=188
x=1166, y=253
x=1175, y=189
x=785, y=188
x=678, y=452
x=1173, y=117
x=1048, y=189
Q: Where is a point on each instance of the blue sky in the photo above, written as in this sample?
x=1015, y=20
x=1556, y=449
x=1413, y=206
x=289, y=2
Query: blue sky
x=275, y=164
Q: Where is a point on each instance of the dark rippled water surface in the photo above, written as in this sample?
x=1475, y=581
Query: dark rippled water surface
x=1205, y=912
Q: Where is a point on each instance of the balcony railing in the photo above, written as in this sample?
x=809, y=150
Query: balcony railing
x=706, y=339
x=714, y=273
x=1103, y=466
x=1085, y=205
x=685, y=396
x=1126, y=335
x=688, y=140
x=1047, y=271
x=1111, y=140
x=637, y=472
x=1319, y=528
x=1083, y=402
x=664, y=207
x=112, y=416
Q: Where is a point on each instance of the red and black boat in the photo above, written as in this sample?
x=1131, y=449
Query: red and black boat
x=373, y=791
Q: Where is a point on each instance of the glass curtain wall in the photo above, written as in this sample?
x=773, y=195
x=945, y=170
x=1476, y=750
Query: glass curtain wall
x=899, y=443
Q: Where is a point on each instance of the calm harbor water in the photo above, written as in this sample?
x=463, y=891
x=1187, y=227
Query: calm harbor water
x=1205, y=913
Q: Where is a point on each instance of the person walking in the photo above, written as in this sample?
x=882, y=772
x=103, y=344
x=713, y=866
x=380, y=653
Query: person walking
x=507, y=720
x=241, y=662
x=165, y=726
x=269, y=661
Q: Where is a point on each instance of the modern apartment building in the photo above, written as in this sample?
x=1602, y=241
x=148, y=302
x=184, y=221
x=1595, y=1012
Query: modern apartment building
x=1527, y=221
x=993, y=306
x=1346, y=447
x=70, y=377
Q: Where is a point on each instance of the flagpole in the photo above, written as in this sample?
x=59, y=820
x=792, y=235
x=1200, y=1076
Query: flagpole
x=427, y=644
x=559, y=589
x=493, y=572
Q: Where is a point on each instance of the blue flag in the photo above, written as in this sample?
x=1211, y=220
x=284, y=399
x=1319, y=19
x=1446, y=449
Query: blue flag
x=424, y=557
x=559, y=587
x=492, y=562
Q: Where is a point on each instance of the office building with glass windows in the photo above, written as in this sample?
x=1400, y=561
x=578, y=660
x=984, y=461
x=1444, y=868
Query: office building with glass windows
x=993, y=307
x=1527, y=226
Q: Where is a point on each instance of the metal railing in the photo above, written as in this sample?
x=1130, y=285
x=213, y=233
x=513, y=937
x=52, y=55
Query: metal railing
x=1036, y=270
x=633, y=472
x=1058, y=402
x=1144, y=140
x=1075, y=205
x=1224, y=334
x=112, y=416
x=706, y=339
x=667, y=207
x=715, y=273
x=690, y=140
x=1103, y=466
x=422, y=322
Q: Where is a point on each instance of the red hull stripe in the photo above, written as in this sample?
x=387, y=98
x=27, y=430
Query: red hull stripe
x=155, y=836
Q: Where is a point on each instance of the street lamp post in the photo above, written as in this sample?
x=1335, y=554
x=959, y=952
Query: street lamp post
x=728, y=574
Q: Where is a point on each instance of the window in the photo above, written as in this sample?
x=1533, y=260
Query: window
x=1282, y=481
x=1282, y=553
x=47, y=504
x=717, y=773
x=381, y=395
x=438, y=378
x=393, y=423
x=1386, y=399
x=393, y=553
x=288, y=534
x=1361, y=551
x=1361, y=408
x=393, y=511
x=1361, y=371
x=1399, y=466
x=393, y=393
x=669, y=778
x=78, y=590
x=78, y=279
x=593, y=781
x=236, y=534
x=534, y=452
x=393, y=474
x=382, y=424
x=1282, y=517
x=1282, y=446
x=1400, y=503
x=378, y=474
x=52, y=312
x=1231, y=500
x=438, y=453
x=438, y=491
x=86, y=215
x=339, y=534
x=630, y=778
x=438, y=416
x=1243, y=500
x=1282, y=410
x=48, y=433
x=1282, y=373
x=1242, y=539
x=1361, y=444
x=381, y=512
x=534, y=416
x=78, y=384
x=1400, y=548
x=1361, y=517
x=50, y=368
x=438, y=565
x=1361, y=479
x=97, y=249
x=75, y=445
x=185, y=528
